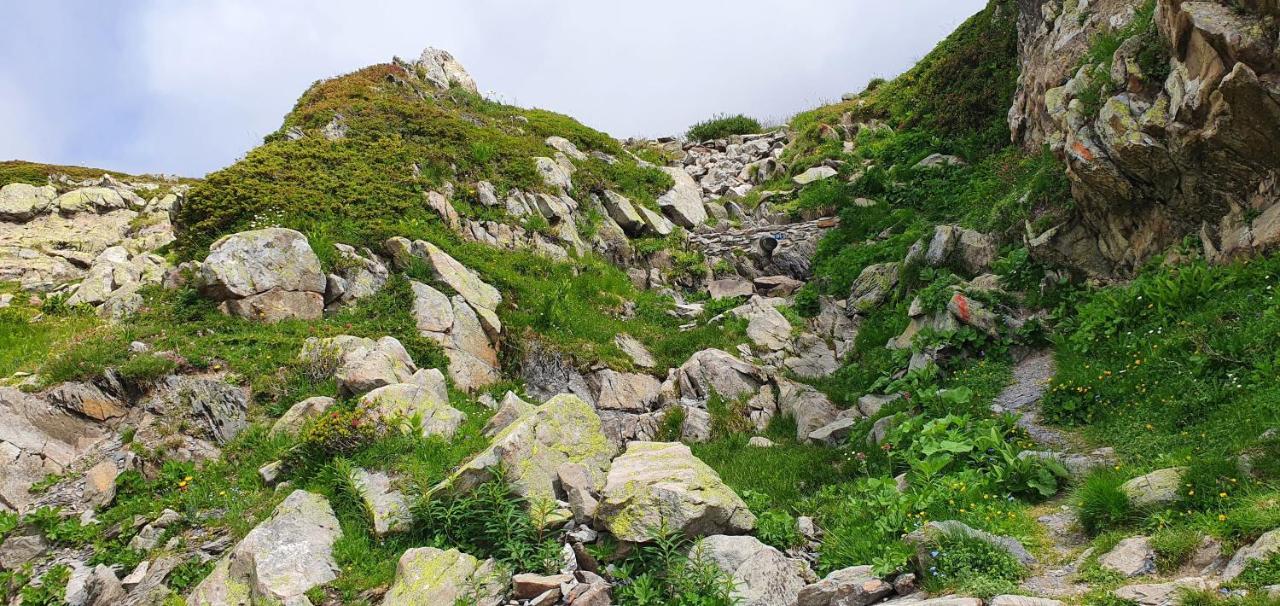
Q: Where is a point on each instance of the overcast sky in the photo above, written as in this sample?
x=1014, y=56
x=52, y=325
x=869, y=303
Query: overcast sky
x=188, y=86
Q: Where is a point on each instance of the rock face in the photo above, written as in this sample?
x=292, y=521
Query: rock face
x=279, y=560
x=1190, y=148
x=1130, y=558
x=47, y=239
x=1266, y=546
x=266, y=275
x=38, y=439
x=533, y=447
x=386, y=505
x=432, y=576
x=656, y=484
x=762, y=575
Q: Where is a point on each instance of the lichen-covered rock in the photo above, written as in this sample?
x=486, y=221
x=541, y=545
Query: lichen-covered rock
x=20, y=202
x=531, y=450
x=279, y=560
x=441, y=69
x=298, y=415
x=662, y=485
x=1156, y=488
x=386, y=505
x=762, y=575
x=359, y=274
x=767, y=328
x=267, y=274
x=815, y=174
x=873, y=286
x=424, y=401
x=359, y=364
x=632, y=392
x=427, y=575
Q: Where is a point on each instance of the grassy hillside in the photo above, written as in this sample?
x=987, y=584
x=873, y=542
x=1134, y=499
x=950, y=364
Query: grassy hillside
x=34, y=173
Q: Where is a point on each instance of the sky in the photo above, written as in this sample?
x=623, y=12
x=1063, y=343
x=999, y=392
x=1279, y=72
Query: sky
x=188, y=86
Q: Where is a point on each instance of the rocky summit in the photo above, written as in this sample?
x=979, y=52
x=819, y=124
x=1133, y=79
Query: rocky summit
x=996, y=332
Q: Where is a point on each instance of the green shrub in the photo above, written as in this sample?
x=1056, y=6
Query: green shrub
x=51, y=590
x=1261, y=573
x=490, y=521
x=1102, y=505
x=971, y=567
x=722, y=126
x=776, y=527
x=659, y=573
x=1173, y=546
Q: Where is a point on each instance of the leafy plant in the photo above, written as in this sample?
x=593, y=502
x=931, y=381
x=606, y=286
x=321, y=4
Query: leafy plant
x=659, y=573
x=490, y=521
x=971, y=567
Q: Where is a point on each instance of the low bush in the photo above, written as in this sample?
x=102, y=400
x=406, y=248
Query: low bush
x=967, y=566
x=721, y=126
x=491, y=522
x=1102, y=505
x=661, y=573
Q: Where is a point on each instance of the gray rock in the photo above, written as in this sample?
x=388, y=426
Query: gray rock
x=86, y=399
x=683, y=203
x=1163, y=594
x=1130, y=557
x=279, y=560
x=531, y=450
x=1156, y=488
x=635, y=350
x=696, y=427
x=856, y=586
x=580, y=491
x=713, y=370
x=425, y=402
x=631, y=392
x=359, y=364
x=834, y=433
x=267, y=274
x=20, y=202
x=509, y=411
x=655, y=484
x=441, y=69
x=760, y=442
x=566, y=147
x=1262, y=549
x=386, y=506
x=426, y=575
x=298, y=415
x=730, y=288
x=656, y=223
x=873, y=286
x=810, y=408
x=1022, y=600
x=762, y=576
x=870, y=405
x=766, y=326
x=817, y=173
x=219, y=407
x=624, y=213
x=813, y=358
x=553, y=174
x=19, y=549
x=938, y=161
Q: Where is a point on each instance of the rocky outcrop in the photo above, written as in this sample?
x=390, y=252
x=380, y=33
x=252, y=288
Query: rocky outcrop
x=36, y=440
x=421, y=403
x=439, y=68
x=657, y=485
x=466, y=325
x=279, y=560
x=683, y=203
x=764, y=248
x=730, y=167
x=265, y=275
x=1183, y=142
x=51, y=235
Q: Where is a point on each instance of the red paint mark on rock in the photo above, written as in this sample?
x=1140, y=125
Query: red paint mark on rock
x=1082, y=151
x=962, y=307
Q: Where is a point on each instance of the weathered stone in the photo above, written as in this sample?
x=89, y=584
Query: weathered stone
x=426, y=575
x=19, y=549
x=730, y=288
x=683, y=203
x=579, y=489
x=401, y=404
x=441, y=69
x=272, y=273
x=635, y=350
x=100, y=484
x=509, y=411
x=696, y=427
x=1262, y=549
x=939, y=161
x=870, y=405
x=1130, y=557
x=360, y=274
x=715, y=371
x=1163, y=594
x=766, y=326
x=856, y=586
x=835, y=432
x=457, y=276
x=761, y=575
x=929, y=534
x=20, y=202
x=817, y=173
x=760, y=442
x=873, y=286
x=624, y=213
x=86, y=399
x=1022, y=600
x=279, y=560
x=777, y=286
x=630, y=392
x=656, y=223
x=810, y=408
x=812, y=358
x=359, y=364
x=298, y=415
x=553, y=173
x=531, y=450
x=386, y=506
x=1156, y=488
x=655, y=485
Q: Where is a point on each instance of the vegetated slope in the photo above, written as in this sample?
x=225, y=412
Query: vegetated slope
x=35, y=173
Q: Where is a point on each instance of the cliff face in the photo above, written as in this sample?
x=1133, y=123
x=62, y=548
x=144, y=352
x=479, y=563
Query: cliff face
x=1167, y=114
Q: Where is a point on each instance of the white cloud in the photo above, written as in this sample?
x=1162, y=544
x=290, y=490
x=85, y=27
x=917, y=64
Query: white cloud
x=214, y=77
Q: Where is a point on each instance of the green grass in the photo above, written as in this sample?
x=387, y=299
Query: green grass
x=26, y=343
x=1102, y=505
x=33, y=173
x=787, y=472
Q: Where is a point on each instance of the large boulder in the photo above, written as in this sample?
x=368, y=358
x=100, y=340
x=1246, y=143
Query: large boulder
x=762, y=575
x=359, y=364
x=427, y=575
x=20, y=202
x=632, y=392
x=624, y=213
x=467, y=333
x=279, y=560
x=1130, y=557
x=657, y=485
x=683, y=202
x=810, y=408
x=385, y=504
x=359, y=274
x=267, y=275
x=767, y=328
x=296, y=418
x=873, y=286
x=532, y=448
